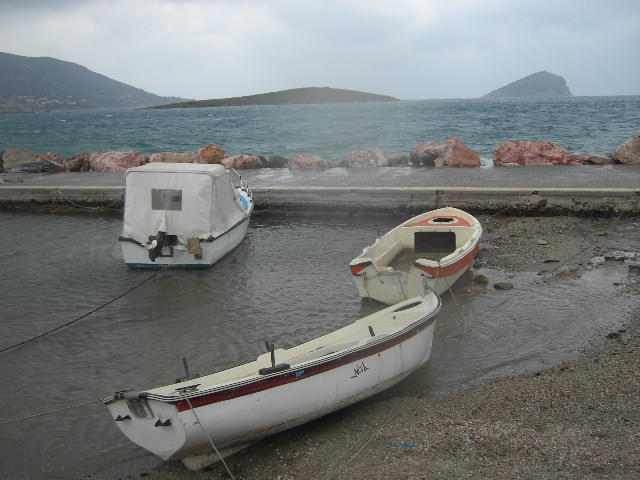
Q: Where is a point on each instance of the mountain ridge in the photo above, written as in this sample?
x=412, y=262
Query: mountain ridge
x=293, y=96
x=37, y=84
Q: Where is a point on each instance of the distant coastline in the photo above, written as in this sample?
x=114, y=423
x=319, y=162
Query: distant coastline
x=43, y=84
x=309, y=95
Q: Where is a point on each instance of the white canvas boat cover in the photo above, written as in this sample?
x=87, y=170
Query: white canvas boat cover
x=183, y=199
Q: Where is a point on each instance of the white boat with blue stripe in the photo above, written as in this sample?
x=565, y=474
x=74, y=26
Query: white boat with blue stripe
x=183, y=214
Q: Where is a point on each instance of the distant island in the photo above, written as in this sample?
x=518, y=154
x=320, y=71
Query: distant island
x=541, y=84
x=43, y=84
x=308, y=95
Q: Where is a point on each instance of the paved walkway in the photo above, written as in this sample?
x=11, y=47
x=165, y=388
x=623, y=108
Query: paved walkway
x=554, y=188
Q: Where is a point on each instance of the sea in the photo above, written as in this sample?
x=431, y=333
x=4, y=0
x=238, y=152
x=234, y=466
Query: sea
x=84, y=325
x=333, y=131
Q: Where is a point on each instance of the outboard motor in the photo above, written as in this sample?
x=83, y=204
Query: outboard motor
x=161, y=245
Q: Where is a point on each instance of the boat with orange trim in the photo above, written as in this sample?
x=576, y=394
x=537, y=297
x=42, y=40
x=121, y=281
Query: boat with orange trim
x=431, y=250
x=202, y=419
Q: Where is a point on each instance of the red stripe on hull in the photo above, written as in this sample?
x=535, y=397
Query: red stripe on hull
x=355, y=269
x=458, y=222
x=299, y=373
x=439, y=272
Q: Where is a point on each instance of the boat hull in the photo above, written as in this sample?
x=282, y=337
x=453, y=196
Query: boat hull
x=377, y=277
x=137, y=256
x=239, y=414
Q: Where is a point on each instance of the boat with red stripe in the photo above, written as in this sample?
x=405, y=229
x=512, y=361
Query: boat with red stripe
x=431, y=250
x=228, y=410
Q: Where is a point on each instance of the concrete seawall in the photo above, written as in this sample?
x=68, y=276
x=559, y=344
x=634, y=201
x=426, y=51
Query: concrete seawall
x=391, y=190
x=472, y=199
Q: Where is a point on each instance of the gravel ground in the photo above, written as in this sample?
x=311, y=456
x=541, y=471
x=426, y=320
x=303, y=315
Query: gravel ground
x=579, y=420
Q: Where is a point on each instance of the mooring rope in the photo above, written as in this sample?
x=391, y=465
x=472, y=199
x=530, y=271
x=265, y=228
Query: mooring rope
x=100, y=307
x=116, y=201
x=20, y=344
x=62, y=409
x=379, y=429
x=207, y=435
x=374, y=435
x=344, y=467
x=355, y=455
x=455, y=300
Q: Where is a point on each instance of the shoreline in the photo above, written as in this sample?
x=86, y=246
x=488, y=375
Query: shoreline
x=576, y=420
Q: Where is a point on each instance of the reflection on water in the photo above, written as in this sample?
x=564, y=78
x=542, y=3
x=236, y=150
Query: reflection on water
x=287, y=282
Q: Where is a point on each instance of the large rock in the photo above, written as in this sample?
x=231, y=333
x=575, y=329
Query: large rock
x=116, y=161
x=53, y=160
x=425, y=153
x=243, y=162
x=629, y=151
x=452, y=153
x=45, y=163
x=170, y=157
x=37, y=167
x=304, y=161
x=367, y=157
x=398, y=160
x=457, y=154
x=78, y=163
x=14, y=157
x=595, y=159
x=211, y=153
x=276, y=161
x=532, y=153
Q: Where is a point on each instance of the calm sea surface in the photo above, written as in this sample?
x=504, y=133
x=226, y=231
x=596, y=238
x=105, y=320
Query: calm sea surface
x=287, y=282
x=579, y=124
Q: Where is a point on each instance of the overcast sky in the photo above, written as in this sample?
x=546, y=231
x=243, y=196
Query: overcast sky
x=409, y=49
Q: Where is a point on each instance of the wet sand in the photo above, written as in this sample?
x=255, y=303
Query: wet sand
x=578, y=420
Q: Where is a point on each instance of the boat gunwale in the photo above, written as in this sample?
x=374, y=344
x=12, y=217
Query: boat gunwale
x=454, y=257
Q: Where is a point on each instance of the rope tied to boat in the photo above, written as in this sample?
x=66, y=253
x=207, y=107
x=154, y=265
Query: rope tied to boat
x=455, y=300
x=100, y=307
x=184, y=394
x=393, y=415
x=62, y=409
x=60, y=327
x=115, y=202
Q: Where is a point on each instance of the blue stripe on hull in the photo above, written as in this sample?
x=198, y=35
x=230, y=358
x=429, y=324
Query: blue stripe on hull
x=162, y=265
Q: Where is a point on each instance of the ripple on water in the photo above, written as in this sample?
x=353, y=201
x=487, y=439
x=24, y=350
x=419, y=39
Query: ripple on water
x=286, y=283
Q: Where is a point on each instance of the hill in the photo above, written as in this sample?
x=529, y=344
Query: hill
x=309, y=95
x=37, y=84
x=541, y=84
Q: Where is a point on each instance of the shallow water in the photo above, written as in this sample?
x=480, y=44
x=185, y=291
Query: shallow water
x=287, y=282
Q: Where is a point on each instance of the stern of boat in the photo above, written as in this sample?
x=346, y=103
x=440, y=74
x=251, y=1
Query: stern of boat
x=153, y=425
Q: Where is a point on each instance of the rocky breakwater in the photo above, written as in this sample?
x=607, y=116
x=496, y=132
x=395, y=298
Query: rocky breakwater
x=546, y=153
x=451, y=153
x=364, y=189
